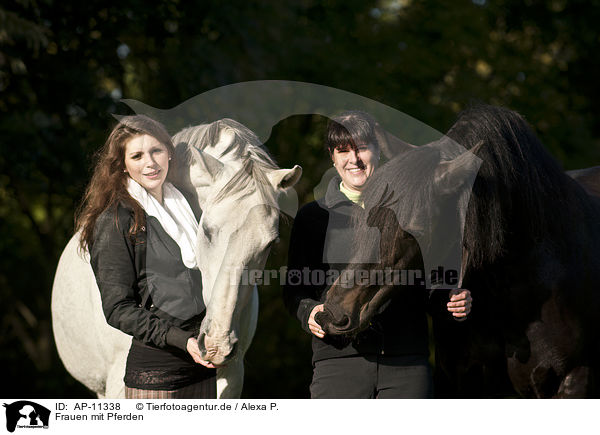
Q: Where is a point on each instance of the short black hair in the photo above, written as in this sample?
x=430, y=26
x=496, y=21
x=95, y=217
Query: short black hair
x=349, y=129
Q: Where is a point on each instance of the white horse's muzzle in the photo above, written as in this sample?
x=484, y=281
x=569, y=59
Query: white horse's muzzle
x=218, y=349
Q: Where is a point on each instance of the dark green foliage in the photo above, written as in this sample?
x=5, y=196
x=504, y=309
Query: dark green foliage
x=64, y=65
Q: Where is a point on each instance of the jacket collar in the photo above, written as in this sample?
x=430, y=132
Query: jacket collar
x=333, y=197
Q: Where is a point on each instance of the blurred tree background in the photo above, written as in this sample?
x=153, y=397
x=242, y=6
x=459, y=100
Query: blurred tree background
x=65, y=65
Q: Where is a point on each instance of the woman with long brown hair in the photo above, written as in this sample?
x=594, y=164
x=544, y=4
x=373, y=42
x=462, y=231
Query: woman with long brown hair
x=140, y=232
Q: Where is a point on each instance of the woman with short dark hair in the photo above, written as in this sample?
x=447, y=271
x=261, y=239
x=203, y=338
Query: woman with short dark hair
x=390, y=358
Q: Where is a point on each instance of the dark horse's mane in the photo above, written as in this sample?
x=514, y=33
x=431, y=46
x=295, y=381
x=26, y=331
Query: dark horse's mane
x=521, y=192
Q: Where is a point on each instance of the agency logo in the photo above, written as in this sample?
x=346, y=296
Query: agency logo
x=428, y=190
x=25, y=414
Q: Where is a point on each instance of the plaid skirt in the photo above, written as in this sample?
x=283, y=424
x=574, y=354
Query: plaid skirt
x=206, y=389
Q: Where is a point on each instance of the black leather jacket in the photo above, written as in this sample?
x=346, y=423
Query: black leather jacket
x=146, y=290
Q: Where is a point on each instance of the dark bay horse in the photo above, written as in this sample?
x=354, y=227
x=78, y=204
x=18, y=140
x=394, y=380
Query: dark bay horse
x=531, y=252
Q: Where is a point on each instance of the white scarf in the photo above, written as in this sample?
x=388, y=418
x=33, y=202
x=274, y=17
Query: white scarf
x=174, y=214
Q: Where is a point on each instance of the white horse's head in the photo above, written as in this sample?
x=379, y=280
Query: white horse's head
x=237, y=186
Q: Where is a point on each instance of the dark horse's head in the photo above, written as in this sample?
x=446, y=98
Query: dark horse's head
x=417, y=201
x=357, y=295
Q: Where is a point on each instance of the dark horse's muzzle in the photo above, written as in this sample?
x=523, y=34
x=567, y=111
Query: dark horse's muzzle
x=336, y=323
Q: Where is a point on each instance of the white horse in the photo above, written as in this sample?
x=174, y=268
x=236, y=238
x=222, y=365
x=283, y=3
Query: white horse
x=232, y=181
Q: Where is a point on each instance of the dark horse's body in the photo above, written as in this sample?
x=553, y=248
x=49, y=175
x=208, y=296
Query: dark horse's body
x=532, y=251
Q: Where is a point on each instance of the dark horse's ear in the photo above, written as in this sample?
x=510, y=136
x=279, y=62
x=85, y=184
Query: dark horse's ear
x=451, y=175
x=390, y=145
x=589, y=178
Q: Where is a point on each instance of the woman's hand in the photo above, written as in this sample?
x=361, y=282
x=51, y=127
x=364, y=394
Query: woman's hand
x=194, y=351
x=314, y=327
x=460, y=303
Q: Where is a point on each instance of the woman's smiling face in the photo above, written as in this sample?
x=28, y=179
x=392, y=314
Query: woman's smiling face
x=147, y=162
x=355, y=166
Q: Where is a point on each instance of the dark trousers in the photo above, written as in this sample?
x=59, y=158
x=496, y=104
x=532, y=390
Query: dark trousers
x=372, y=377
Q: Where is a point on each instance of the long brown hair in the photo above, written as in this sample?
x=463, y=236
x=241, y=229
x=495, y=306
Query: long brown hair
x=108, y=185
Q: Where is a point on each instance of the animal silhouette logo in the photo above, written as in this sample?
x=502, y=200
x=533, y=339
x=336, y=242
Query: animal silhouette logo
x=262, y=104
x=26, y=414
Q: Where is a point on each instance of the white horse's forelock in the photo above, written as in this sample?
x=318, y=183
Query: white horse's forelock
x=251, y=157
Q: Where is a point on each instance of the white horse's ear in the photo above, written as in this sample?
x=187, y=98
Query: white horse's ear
x=451, y=175
x=207, y=164
x=284, y=178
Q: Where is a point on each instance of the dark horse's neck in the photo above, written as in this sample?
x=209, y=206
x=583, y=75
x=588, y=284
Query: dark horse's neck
x=395, y=244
